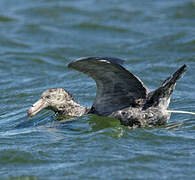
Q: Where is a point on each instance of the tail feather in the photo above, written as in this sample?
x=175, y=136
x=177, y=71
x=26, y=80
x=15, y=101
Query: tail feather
x=161, y=96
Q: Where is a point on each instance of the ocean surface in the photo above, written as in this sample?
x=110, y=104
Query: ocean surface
x=37, y=41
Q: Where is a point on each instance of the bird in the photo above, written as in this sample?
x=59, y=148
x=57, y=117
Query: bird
x=119, y=94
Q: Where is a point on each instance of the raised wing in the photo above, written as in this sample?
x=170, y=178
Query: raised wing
x=117, y=88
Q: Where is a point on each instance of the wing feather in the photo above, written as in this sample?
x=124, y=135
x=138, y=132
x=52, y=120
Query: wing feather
x=117, y=88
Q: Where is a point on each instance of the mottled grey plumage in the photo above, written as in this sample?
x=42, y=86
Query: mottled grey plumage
x=119, y=94
x=137, y=117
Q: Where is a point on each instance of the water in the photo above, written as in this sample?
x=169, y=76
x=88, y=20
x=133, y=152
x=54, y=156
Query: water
x=39, y=38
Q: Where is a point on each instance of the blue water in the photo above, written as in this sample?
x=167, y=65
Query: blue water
x=39, y=38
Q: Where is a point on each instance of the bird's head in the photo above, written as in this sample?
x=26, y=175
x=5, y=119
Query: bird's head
x=54, y=99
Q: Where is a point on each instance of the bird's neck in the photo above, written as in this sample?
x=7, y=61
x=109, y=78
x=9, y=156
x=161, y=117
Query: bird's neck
x=71, y=108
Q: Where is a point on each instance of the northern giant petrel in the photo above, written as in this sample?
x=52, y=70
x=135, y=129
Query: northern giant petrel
x=119, y=94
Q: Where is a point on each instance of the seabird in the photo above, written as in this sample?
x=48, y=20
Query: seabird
x=119, y=94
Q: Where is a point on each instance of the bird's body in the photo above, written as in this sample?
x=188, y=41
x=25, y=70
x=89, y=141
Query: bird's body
x=137, y=117
x=119, y=94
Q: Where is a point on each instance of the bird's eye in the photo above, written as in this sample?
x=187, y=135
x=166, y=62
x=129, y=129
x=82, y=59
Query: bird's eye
x=48, y=96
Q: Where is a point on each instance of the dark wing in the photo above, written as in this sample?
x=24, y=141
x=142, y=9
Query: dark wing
x=117, y=88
